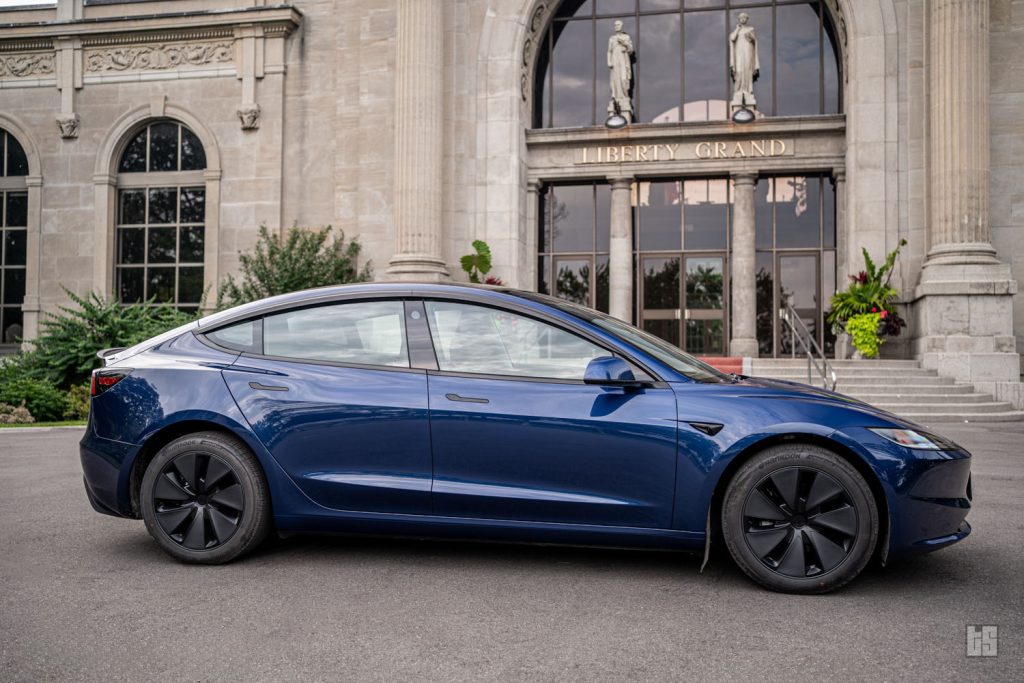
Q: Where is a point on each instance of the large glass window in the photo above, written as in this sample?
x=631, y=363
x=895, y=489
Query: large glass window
x=681, y=69
x=161, y=217
x=796, y=259
x=13, y=236
x=574, y=239
x=490, y=341
x=364, y=333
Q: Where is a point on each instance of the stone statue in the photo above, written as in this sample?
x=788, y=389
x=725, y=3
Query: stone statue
x=744, y=65
x=620, y=64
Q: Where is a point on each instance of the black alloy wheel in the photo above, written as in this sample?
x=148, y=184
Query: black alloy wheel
x=800, y=522
x=199, y=500
x=205, y=499
x=800, y=518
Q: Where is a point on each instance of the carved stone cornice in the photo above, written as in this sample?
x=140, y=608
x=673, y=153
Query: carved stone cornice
x=26, y=65
x=157, y=37
x=189, y=25
x=160, y=56
x=25, y=45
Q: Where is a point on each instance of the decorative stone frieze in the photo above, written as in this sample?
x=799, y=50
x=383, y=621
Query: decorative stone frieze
x=26, y=65
x=158, y=57
x=534, y=34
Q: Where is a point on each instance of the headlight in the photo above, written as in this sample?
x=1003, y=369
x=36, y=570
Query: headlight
x=918, y=440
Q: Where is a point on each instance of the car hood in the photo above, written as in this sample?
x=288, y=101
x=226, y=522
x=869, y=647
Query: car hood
x=763, y=387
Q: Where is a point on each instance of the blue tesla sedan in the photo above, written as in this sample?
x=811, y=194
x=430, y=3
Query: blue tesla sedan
x=461, y=411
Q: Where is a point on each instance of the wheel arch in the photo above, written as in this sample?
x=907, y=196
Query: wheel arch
x=714, y=523
x=166, y=435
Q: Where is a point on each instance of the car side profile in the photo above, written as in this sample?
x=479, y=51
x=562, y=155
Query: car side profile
x=474, y=412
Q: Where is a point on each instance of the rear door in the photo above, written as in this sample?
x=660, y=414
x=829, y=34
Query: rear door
x=517, y=434
x=331, y=393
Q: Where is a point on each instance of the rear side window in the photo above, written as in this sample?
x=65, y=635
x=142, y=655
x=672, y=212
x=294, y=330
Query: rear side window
x=366, y=333
x=243, y=337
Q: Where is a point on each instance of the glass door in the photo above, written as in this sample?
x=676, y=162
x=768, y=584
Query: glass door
x=800, y=287
x=704, y=305
x=686, y=308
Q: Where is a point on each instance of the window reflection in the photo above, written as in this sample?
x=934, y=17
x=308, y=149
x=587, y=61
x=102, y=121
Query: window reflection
x=574, y=236
x=797, y=60
x=13, y=236
x=160, y=239
x=681, y=72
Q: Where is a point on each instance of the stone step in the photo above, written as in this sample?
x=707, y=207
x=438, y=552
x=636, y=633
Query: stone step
x=840, y=372
x=916, y=398
x=964, y=409
x=853, y=388
x=788, y=362
x=877, y=380
x=932, y=417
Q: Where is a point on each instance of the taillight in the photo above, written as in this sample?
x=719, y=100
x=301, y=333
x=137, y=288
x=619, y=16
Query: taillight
x=104, y=379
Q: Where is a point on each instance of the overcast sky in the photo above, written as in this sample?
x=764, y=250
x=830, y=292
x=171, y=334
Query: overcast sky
x=14, y=3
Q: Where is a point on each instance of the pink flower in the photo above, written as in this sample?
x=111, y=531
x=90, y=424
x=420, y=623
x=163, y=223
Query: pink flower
x=884, y=313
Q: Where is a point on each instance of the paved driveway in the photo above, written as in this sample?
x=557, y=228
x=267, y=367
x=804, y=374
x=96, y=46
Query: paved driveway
x=89, y=597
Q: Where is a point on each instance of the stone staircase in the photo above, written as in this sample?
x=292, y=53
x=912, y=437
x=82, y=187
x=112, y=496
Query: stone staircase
x=902, y=387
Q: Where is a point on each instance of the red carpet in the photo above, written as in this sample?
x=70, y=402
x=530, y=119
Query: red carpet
x=733, y=364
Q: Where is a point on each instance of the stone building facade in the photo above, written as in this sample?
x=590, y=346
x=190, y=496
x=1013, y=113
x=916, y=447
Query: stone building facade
x=157, y=135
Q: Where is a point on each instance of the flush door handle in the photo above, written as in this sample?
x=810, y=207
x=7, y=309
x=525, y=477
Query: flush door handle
x=465, y=399
x=266, y=387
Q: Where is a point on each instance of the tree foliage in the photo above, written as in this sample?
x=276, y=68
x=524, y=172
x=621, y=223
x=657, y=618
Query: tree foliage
x=65, y=352
x=301, y=259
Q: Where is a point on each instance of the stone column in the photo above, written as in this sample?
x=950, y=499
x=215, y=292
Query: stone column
x=744, y=267
x=963, y=314
x=620, y=251
x=419, y=133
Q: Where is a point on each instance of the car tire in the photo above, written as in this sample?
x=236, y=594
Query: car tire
x=799, y=518
x=205, y=500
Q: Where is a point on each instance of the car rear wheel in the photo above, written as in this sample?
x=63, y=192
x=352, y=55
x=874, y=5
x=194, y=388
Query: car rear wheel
x=204, y=499
x=799, y=519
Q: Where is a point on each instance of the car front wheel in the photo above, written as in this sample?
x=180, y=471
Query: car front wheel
x=204, y=499
x=799, y=519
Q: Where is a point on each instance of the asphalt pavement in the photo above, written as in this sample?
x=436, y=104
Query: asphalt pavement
x=87, y=597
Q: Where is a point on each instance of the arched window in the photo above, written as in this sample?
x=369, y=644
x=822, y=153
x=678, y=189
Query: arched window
x=14, y=229
x=681, y=71
x=161, y=216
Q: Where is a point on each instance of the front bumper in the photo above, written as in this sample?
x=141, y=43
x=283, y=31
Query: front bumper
x=928, y=492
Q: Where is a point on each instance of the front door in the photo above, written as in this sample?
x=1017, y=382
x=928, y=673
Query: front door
x=686, y=308
x=517, y=435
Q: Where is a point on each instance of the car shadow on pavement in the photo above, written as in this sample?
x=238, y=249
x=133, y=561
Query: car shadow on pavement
x=921, y=575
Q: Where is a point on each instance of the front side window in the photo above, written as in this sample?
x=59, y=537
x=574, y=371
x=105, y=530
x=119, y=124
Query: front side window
x=490, y=341
x=362, y=333
x=13, y=236
x=161, y=216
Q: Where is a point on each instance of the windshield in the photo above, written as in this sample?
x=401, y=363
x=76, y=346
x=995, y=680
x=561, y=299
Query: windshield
x=670, y=355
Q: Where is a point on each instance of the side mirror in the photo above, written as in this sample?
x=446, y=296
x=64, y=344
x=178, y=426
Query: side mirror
x=610, y=371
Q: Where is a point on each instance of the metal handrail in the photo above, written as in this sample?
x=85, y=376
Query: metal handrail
x=810, y=347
